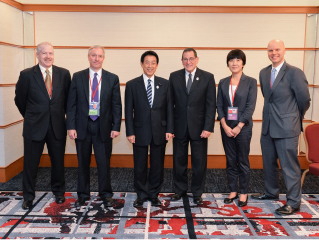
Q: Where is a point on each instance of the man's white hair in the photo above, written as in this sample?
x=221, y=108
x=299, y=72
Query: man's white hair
x=96, y=46
x=39, y=46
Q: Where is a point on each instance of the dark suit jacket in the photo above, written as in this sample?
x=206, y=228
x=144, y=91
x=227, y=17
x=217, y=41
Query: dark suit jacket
x=245, y=99
x=141, y=120
x=35, y=105
x=194, y=111
x=286, y=103
x=110, y=104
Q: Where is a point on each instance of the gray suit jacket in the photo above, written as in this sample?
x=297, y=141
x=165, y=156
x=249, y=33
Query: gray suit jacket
x=286, y=103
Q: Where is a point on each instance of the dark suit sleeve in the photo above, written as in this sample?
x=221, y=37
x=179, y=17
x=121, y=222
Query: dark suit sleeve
x=210, y=105
x=116, y=106
x=261, y=84
x=299, y=86
x=170, y=113
x=251, y=102
x=220, y=104
x=129, y=122
x=71, y=105
x=21, y=94
x=67, y=87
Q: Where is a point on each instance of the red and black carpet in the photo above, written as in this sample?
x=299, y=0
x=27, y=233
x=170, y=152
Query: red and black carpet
x=182, y=219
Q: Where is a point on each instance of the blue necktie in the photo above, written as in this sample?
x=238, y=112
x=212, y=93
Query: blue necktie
x=272, y=76
x=96, y=96
x=149, y=92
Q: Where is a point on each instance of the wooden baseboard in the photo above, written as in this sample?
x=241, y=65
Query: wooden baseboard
x=126, y=160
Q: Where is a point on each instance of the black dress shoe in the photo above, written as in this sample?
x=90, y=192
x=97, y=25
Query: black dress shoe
x=59, y=199
x=26, y=205
x=198, y=200
x=81, y=201
x=230, y=200
x=263, y=196
x=138, y=203
x=287, y=210
x=155, y=202
x=107, y=202
x=243, y=203
x=176, y=196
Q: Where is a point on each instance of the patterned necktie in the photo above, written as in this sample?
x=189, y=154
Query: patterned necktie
x=96, y=96
x=189, y=83
x=149, y=92
x=48, y=82
x=273, y=76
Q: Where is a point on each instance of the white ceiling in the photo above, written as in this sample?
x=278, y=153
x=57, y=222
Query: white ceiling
x=178, y=2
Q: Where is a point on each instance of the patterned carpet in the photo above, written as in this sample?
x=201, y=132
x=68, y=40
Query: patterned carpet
x=179, y=220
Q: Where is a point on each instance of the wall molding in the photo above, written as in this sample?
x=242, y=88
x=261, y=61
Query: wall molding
x=11, y=124
x=126, y=161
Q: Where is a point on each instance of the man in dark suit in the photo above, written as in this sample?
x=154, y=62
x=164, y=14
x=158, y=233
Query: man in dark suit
x=149, y=124
x=194, y=99
x=94, y=118
x=41, y=95
x=286, y=100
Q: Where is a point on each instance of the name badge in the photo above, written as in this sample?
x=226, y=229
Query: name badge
x=94, y=109
x=232, y=113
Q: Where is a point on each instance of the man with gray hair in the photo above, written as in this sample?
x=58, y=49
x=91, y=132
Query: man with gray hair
x=94, y=115
x=41, y=97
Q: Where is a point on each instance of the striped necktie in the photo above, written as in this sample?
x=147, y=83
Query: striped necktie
x=149, y=92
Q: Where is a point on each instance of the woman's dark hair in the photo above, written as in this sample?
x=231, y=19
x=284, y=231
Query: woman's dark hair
x=236, y=53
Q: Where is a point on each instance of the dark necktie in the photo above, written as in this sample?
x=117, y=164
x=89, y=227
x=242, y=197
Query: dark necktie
x=189, y=83
x=96, y=96
x=149, y=92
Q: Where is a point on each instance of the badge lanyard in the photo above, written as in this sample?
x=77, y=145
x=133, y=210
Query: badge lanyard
x=93, y=94
x=49, y=90
x=233, y=95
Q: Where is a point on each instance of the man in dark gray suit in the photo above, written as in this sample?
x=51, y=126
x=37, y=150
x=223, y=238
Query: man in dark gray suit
x=149, y=125
x=286, y=100
x=194, y=99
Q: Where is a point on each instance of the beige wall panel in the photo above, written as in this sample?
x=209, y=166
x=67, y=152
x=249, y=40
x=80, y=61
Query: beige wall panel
x=9, y=110
x=11, y=24
x=11, y=144
x=11, y=63
x=126, y=63
x=315, y=102
x=29, y=57
x=308, y=115
x=311, y=32
x=310, y=66
x=28, y=29
x=316, y=78
x=168, y=29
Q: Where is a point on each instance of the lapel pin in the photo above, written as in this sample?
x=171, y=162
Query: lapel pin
x=197, y=78
x=157, y=87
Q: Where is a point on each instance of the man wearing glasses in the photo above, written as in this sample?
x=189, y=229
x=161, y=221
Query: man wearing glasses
x=194, y=100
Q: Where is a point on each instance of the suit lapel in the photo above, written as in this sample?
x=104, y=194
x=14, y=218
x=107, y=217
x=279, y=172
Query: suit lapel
x=278, y=78
x=226, y=90
x=141, y=87
x=55, y=81
x=182, y=80
x=241, y=85
x=157, y=89
x=104, y=83
x=39, y=79
x=86, y=83
x=196, y=79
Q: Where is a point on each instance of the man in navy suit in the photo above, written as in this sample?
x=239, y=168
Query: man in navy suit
x=41, y=96
x=94, y=118
x=149, y=125
x=194, y=100
x=286, y=100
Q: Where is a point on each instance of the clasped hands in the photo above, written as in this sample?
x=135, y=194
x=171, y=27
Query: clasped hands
x=131, y=138
x=231, y=132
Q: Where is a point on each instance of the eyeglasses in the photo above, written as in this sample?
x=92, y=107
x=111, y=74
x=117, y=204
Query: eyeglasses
x=188, y=59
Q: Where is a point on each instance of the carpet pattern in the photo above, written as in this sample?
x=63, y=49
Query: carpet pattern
x=176, y=220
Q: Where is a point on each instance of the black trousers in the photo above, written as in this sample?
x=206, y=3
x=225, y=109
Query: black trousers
x=32, y=154
x=102, y=152
x=148, y=186
x=180, y=162
x=237, y=159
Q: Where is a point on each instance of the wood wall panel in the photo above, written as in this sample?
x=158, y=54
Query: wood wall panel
x=149, y=29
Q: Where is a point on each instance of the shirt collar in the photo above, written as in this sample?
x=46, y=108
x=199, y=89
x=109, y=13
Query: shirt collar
x=99, y=73
x=193, y=73
x=278, y=67
x=146, y=78
x=43, y=69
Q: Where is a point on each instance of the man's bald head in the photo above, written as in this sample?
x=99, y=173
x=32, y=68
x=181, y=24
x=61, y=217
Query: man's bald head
x=276, y=52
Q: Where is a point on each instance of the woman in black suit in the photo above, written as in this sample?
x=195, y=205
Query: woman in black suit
x=236, y=101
